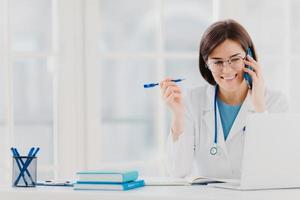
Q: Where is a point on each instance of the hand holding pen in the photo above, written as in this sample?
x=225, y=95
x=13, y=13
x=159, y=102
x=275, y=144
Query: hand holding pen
x=172, y=96
x=171, y=92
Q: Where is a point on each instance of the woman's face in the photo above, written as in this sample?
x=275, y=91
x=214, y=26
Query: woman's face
x=230, y=77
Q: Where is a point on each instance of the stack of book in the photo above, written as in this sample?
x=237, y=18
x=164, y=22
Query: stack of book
x=107, y=180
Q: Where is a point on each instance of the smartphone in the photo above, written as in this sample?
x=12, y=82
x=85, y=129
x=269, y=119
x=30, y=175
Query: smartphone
x=247, y=77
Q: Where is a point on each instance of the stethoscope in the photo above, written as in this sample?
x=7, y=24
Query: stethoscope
x=214, y=149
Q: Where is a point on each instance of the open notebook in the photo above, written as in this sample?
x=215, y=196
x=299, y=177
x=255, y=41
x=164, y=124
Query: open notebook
x=191, y=180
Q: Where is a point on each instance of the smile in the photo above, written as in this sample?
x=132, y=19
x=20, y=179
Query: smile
x=229, y=77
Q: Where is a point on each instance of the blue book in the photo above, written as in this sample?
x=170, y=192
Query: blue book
x=79, y=185
x=107, y=176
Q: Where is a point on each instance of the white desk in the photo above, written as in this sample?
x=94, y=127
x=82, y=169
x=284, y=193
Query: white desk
x=146, y=193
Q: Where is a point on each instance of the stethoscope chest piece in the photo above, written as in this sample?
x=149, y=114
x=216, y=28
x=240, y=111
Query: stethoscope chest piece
x=213, y=150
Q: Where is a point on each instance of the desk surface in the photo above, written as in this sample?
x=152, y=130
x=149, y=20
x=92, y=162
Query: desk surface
x=146, y=193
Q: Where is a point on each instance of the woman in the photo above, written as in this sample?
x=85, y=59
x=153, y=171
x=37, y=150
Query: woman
x=208, y=122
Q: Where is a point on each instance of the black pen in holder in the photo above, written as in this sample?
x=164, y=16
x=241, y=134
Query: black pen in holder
x=24, y=172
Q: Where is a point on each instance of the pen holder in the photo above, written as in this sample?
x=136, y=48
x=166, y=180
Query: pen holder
x=24, y=171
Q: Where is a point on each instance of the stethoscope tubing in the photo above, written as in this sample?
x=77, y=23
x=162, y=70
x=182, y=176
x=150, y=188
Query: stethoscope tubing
x=214, y=149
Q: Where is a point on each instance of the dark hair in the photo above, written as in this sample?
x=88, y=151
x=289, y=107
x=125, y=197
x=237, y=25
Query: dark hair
x=217, y=33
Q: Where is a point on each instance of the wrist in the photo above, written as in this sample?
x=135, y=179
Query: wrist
x=178, y=114
x=177, y=126
x=261, y=109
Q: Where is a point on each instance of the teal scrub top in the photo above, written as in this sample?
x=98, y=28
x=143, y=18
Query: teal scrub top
x=228, y=114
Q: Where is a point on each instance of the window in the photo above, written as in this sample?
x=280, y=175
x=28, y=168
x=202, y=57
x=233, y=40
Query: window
x=140, y=42
x=28, y=83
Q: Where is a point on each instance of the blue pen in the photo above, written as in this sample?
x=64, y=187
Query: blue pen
x=150, y=85
x=30, y=151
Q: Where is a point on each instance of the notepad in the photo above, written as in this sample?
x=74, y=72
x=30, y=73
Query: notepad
x=192, y=180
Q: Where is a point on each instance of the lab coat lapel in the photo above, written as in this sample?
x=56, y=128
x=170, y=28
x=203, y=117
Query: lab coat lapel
x=240, y=120
x=208, y=113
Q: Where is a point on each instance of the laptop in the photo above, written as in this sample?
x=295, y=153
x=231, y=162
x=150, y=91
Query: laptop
x=271, y=157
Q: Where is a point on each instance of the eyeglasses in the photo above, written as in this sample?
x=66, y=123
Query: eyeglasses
x=235, y=63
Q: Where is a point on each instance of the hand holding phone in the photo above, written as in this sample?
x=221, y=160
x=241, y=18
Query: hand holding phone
x=247, y=77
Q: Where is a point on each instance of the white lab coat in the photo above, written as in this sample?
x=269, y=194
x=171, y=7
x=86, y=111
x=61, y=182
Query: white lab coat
x=190, y=153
